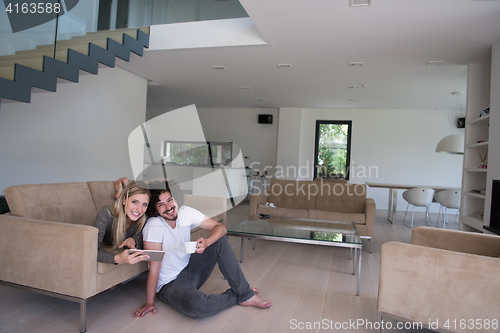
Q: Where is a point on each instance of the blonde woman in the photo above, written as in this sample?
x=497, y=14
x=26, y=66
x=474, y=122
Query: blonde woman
x=121, y=226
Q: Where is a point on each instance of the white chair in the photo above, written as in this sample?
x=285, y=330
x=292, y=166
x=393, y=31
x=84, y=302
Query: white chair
x=447, y=199
x=420, y=197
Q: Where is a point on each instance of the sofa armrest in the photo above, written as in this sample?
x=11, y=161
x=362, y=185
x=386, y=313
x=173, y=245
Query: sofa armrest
x=213, y=207
x=458, y=241
x=256, y=200
x=370, y=216
x=424, y=284
x=52, y=256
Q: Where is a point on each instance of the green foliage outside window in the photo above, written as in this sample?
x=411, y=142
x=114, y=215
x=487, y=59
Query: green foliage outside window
x=332, y=151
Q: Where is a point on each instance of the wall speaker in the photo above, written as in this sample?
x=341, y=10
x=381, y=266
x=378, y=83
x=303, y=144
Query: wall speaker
x=265, y=118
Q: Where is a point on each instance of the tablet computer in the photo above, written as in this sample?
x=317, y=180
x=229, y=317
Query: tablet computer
x=153, y=254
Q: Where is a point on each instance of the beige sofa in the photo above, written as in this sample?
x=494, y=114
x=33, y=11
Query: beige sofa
x=443, y=276
x=50, y=244
x=320, y=199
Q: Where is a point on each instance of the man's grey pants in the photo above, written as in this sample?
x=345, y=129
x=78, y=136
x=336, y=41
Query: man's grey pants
x=183, y=295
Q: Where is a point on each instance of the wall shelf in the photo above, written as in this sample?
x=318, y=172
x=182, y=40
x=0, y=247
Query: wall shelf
x=479, y=144
x=472, y=222
x=476, y=170
x=477, y=130
x=484, y=120
x=475, y=195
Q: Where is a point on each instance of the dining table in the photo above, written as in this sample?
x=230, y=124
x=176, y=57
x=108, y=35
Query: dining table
x=393, y=194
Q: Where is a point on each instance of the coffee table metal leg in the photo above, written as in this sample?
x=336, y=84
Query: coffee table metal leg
x=354, y=261
x=242, y=251
x=359, y=272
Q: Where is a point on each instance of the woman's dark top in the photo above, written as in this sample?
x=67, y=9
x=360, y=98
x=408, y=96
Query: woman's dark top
x=104, y=223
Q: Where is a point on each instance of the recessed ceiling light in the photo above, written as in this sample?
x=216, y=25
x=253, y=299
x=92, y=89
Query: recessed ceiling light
x=353, y=87
x=287, y=66
x=352, y=99
x=356, y=64
x=259, y=99
x=245, y=87
x=433, y=63
x=359, y=3
x=219, y=68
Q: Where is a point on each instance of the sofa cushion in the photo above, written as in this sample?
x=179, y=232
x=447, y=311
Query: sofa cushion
x=292, y=194
x=110, y=275
x=261, y=209
x=64, y=202
x=357, y=218
x=103, y=193
x=341, y=197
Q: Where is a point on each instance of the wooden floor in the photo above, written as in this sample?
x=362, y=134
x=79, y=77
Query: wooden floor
x=307, y=284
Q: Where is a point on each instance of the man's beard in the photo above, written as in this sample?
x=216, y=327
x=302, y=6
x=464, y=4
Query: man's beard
x=174, y=218
x=168, y=217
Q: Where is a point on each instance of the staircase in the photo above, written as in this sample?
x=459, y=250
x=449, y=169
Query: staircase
x=37, y=68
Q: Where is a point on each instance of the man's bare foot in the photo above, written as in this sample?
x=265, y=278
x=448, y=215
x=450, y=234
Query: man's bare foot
x=124, y=181
x=119, y=185
x=257, y=302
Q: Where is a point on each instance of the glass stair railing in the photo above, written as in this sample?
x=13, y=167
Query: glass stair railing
x=91, y=21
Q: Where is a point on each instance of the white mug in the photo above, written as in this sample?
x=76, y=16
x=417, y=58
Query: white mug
x=189, y=247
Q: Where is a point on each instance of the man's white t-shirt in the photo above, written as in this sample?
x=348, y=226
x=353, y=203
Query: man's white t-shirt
x=158, y=231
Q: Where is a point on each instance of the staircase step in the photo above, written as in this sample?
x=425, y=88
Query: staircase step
x=7, y=72
x=18, y=76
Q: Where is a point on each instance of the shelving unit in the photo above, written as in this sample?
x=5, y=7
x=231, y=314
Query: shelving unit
x=476, y=146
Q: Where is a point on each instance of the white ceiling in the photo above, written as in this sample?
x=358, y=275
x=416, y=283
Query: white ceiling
x=393, y=38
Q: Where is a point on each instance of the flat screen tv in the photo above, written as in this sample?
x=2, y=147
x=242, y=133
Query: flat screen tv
x=495, y=208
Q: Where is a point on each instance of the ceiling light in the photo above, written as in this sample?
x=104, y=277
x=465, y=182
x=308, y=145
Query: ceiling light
x=433, y=63
x=352, y=99
x=259, y=99
x=451, y=144
x=245, y=87
x=284, y=66
x=219, y=68
x=356, y=64
x=359, y=3
x=353, y=87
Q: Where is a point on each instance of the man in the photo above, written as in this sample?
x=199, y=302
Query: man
x=177, y=278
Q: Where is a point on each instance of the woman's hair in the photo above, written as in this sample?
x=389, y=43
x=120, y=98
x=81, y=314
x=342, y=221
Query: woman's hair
x=120, y=222
x=159, y=187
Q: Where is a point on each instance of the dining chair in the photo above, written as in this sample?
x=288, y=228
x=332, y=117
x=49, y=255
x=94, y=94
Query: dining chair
x=447, y=199
x=420, y=197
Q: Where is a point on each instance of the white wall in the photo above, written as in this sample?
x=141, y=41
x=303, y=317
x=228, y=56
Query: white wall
x=78, y=133
x=398, y=146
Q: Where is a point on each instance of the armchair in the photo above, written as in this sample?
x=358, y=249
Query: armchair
x=445, y=279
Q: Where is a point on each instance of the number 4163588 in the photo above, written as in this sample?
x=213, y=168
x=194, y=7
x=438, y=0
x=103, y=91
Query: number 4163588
x=33, y=8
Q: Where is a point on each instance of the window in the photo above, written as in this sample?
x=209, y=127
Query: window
x=197, y=153
x=332, y=149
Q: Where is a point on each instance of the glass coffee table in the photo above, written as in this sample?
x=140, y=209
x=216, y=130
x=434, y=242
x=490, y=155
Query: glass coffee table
x=302, y=230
